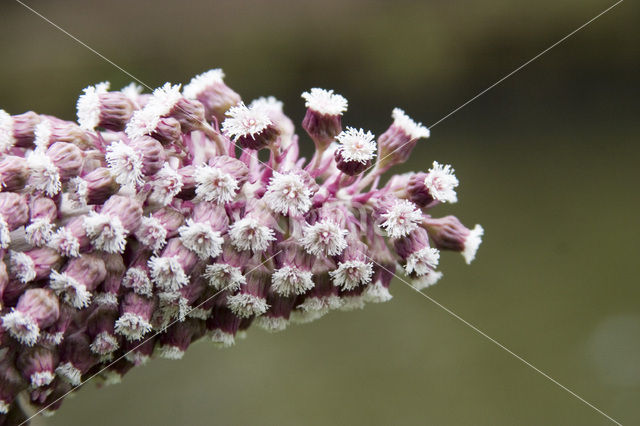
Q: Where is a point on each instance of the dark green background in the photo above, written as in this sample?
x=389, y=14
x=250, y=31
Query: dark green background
x=548, y=163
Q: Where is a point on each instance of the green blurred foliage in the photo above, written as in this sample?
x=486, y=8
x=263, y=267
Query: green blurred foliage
x=548, y=164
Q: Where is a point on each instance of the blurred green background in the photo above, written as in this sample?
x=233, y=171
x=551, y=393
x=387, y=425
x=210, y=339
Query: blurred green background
x=548, y=162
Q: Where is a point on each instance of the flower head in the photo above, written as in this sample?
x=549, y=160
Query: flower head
x=325, y=101
x=287, y=194
x=249, y=234
x=324, y=238
x=401, y=218
x=125, y=164
x=441, y=182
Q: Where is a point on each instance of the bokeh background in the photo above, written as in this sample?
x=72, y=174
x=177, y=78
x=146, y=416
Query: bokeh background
x=548, y=162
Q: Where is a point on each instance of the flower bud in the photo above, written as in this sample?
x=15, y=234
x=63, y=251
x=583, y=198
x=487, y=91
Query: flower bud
x=448, y=233
x=151, y=153
x=79, y=278
x=438, y=185
x=250, y=128
x=67, y=158
x=354, y=268
x=395, y=145
x=170, y=270
x=97, y=107
x=210, y=90
x=137, y=276
x=93, y=188
x=277, y=316
x=318, y=302
x=355, y=152
x=36, y=309
x=11, y=384
x=37, y=365
x=76, y=359
x=168, y=132
x=250, y=300
x=323, y=120
x=177, y=338
x=101, y=330
x=14, y=212
x=222, y=326
x=52, y=129
x=44, y=176
x=18, y=130
x=34, y=264
x=72, y=238
x=166, y=184
x=378, y=290
x=14, y=172
x=135, y=316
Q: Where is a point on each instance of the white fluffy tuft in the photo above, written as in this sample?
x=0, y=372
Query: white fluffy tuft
x=202, y=82
x=200, y=238
x=106, y=232
x=167, y=273
x=401, y=219
x=287, y=194
x=249, y=234
x=247, y=305
x=441, y=183
x=69, y=290
x=410, y=127
x=325, y=101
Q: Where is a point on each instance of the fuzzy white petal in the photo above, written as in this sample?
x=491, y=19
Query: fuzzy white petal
x=290, y=280
x=441, y=183
x=43, y=174
x=223, y=276
x=325, y=101
x=244, y=121
x=249, y=234
x=69, y=290
x=247, y=305
x=125, y=164
x=356, y=145
x=324, y=238
x=410, y=127
x=106, y=232
x=472, y=243
x=423, y=261
x=167, y=273
x=212, y=184
x=202, y=82
x=287, y=194
x=402, y=218
x=200, y=238
x=351, y=274
x=88, y=105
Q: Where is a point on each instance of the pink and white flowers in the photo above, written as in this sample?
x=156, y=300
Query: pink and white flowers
x=151, y=223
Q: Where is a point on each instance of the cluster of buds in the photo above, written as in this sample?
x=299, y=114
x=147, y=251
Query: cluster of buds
x=151, y=223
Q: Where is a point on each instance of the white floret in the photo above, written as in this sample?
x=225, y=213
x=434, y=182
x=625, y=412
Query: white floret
x=246, y=305
x=441, y=183
x=106, y=232
x=125, y=164
x=249, y=234
x=88, y=105
x=167, y=273
x=289, y=280
x=351, y=274
x=202, y=82
x=401, y=219
x=200, y=238
x=472, y=243
x=356, y=145
x=43, y=174
x=324, y=238
x=69, y=290
x=410, y=127
x=422, y=261
x=325, y=101
x=287, y=194
x=213, y=184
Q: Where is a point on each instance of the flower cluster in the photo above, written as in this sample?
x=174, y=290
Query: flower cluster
x=151, y=223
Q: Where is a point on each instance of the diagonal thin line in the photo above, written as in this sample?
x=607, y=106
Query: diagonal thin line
x=503, y=78
x=500, y=345
x=162, y=330
x=85, y=45
x=527, y=63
